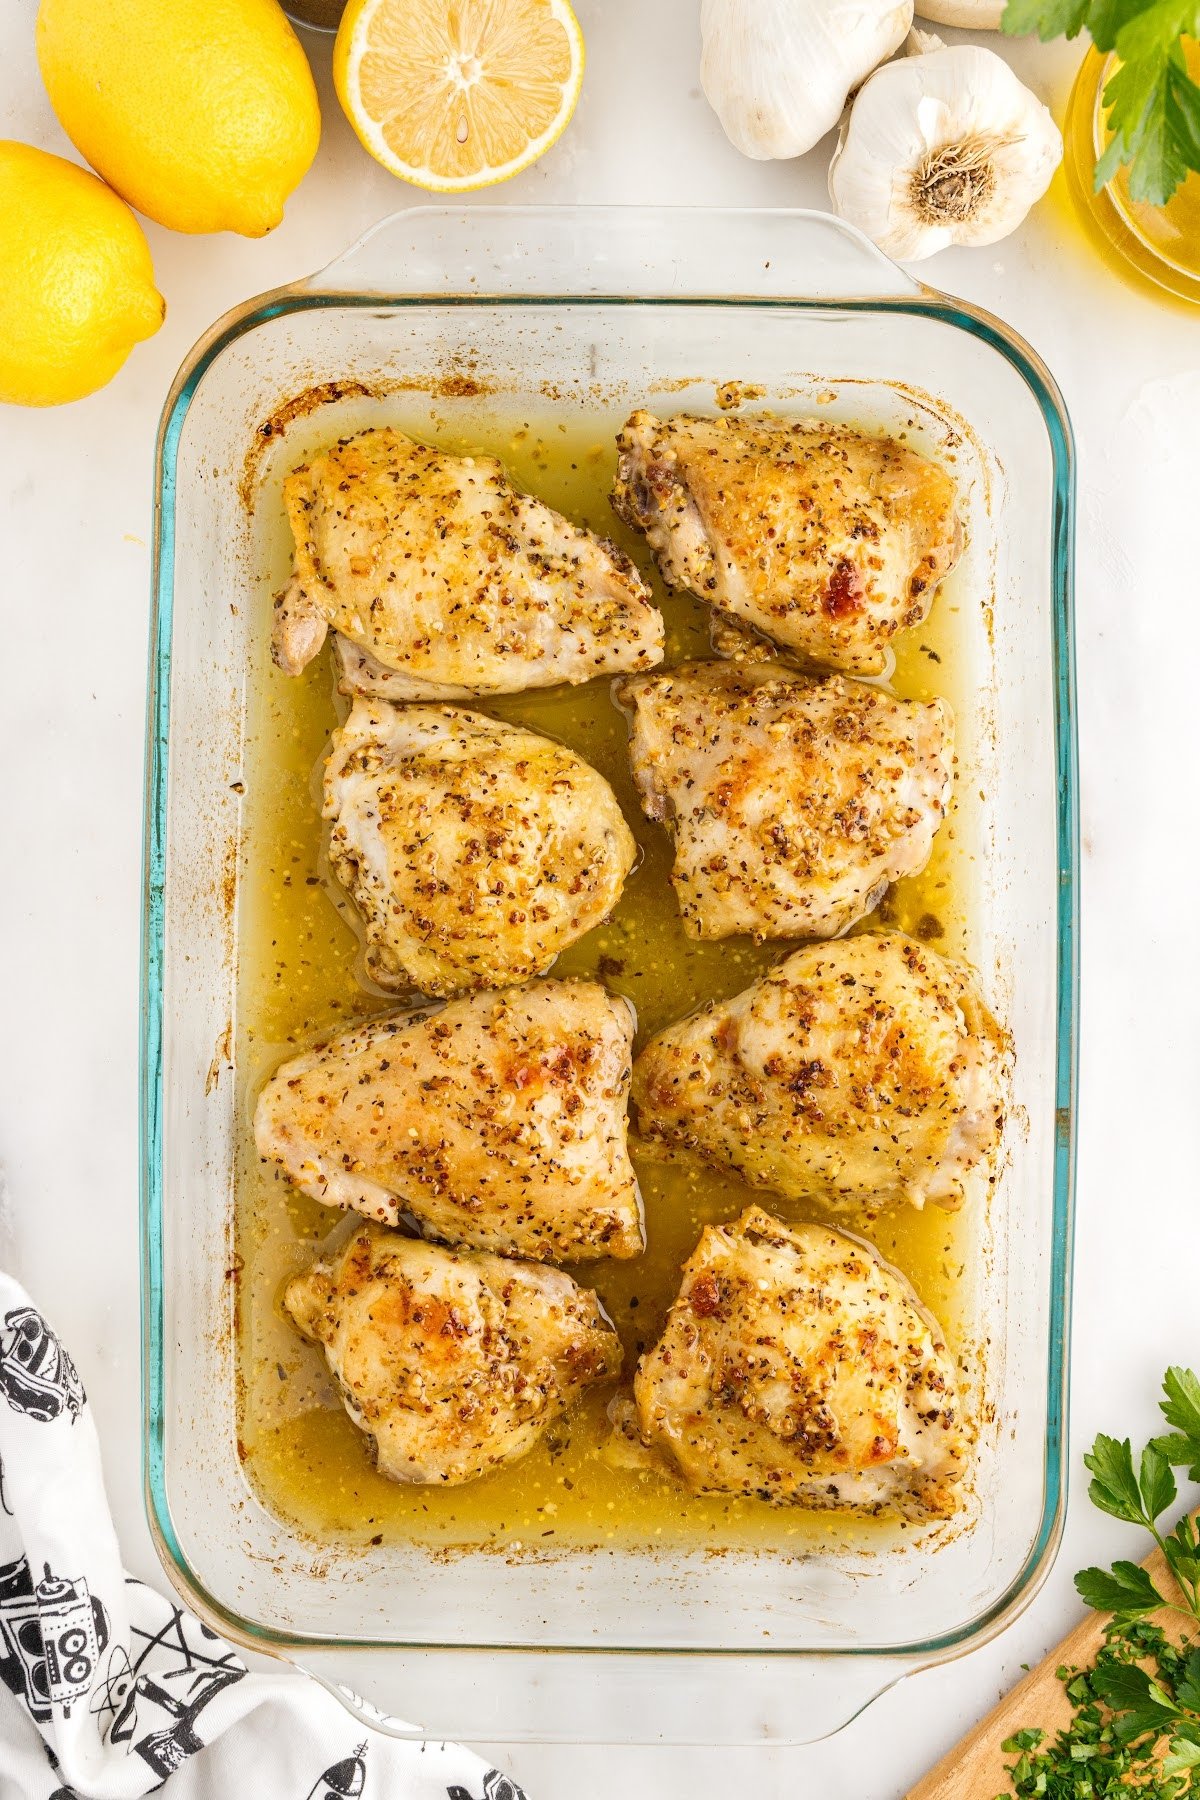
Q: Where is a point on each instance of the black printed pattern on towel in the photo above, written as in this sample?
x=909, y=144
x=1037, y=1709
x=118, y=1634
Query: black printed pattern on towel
x=496, y=1786
x=151, y=1701
x=51, y=1637
x=37, y=1377
x=346, y=1780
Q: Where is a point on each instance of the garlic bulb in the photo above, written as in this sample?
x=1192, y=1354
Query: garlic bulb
x=777, y=72
x=968, y=15
x=942, y=148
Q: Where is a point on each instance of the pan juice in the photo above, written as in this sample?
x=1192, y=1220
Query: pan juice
x=300, y=977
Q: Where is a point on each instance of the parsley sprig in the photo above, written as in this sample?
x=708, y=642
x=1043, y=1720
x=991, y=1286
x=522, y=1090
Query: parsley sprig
x=1153, y=103
x=1141, y=1495
x=1136, y=1724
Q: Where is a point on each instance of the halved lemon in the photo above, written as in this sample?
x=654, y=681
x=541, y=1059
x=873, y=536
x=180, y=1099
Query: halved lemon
x=457, y=94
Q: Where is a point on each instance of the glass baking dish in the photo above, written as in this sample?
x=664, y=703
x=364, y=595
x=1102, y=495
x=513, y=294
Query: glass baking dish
x=562, y=305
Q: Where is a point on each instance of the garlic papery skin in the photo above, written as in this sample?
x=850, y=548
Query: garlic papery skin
x=942, y=148
x=920, y=42
x=777, y=73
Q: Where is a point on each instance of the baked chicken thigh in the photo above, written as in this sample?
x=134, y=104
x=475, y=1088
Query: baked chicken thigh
x=451, y=1363
x=793, y=802
x=497, y=1122
x=797, y=1366
x=445, y=578
x=474, y=850
x=866, y=1070
x=826, y=539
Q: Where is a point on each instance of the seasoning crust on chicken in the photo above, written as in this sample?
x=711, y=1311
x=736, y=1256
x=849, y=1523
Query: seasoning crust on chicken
x=451, y=1363
x=792, y=802
x=826, y=539
x=795, y=1365
x=497, y=1121
x=866, y=1070
x=440, y=573
x=474, y=850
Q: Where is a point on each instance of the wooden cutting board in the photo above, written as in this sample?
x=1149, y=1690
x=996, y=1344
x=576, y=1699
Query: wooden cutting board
x=976, y=1768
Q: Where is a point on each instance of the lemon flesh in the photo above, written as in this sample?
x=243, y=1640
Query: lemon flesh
x=201, y=113
x=78, y=289
x=458, y=94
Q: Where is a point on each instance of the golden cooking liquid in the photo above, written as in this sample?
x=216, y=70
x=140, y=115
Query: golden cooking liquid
x=300, y=976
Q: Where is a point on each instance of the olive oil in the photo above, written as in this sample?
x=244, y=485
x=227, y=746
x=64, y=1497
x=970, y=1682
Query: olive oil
x=300, y=975
x=1159, y=245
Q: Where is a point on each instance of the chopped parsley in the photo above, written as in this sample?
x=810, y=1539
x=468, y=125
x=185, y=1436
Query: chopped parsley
x=1125, y=1705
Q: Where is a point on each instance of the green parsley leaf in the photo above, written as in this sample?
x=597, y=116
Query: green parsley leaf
x=1185, y=100
x=1152, y=32
x=1028, y=1739
x=1153, y=116
x=1187, y=1533
x=1156, y=1482
x=1179, y=1452
x=1140, y=1703
x=1185, y=1569
x=1183, y=1755
x=1187, y=1687
x=1125, y=1589
x=1181, y=1407
x=1107, y=17
x=1183, y=1557
x=1114, y=1487
x=1049, y=18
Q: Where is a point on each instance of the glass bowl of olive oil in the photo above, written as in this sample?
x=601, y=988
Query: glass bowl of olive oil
x=1159, y=244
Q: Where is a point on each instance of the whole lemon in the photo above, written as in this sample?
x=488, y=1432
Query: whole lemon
x=201, y=113
x=78, y=290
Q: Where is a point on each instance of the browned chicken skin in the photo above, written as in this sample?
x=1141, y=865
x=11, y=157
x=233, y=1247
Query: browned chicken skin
x=452, y=1363
x=474, y=850
x=498, y=1121
x=827, y=540
x=865, y=1070
x=792, y=802
x=445, y=581
x=795, y=1365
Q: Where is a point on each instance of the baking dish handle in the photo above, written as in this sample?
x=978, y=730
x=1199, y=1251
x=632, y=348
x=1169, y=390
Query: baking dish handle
x=508, y=1696
x=675, y=253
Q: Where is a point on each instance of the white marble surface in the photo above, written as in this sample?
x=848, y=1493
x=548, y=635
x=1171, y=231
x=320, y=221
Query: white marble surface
x=75, y=486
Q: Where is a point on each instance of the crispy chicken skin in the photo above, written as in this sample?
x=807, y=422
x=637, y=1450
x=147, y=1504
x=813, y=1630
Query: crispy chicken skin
x=498, y=1121
x=793, y=802
x=796, y=1365
x=441, y=574
x=474, y=850
x=452, y=1363
x=825, y=539
x=866, y=1070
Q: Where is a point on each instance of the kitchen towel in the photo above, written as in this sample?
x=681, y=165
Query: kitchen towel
x=108, y=1690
